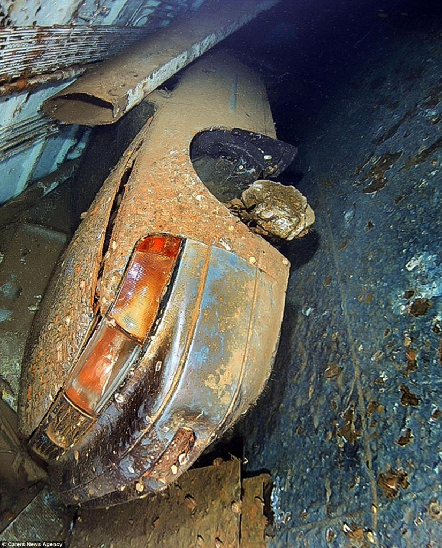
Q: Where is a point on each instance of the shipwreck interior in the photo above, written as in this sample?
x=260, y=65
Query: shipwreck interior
x=343, y=447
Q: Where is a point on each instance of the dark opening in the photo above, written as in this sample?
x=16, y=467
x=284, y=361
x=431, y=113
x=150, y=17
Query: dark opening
x=80, y=108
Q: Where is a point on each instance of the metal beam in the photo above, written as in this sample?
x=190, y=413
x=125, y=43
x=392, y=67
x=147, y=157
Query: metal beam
x=108, y=91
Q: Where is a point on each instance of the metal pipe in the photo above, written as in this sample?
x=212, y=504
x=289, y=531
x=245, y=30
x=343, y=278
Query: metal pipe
x=106, y=92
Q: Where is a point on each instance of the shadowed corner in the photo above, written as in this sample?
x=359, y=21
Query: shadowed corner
x=21, y=478
x=301, y=251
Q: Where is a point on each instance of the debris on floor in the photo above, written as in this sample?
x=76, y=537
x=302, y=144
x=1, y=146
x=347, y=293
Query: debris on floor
x=274, y=210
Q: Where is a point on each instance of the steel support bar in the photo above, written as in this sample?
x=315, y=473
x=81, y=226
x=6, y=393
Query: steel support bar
x=106, y=92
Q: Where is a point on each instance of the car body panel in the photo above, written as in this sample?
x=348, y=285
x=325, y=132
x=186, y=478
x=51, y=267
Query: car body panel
x=209, y=355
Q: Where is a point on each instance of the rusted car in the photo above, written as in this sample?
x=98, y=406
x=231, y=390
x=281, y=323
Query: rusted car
x=161, y=325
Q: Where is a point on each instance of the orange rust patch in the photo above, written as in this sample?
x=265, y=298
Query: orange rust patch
x=410, y=356
x=405, y=438
x=392, y=481
x=408, y=399
x=169, y=462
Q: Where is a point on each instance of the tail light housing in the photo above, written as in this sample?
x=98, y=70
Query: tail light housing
x=122, y=332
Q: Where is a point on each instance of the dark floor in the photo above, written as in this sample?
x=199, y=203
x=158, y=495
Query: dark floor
x=350, y=424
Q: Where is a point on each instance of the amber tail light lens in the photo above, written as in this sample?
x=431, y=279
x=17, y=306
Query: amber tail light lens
x=119, y=337
x=104, y=358
x=149, y=272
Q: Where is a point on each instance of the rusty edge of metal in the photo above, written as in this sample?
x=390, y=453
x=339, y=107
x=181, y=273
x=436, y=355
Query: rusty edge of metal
x=33, y=82
x=106, y=92
x=208, y=506
x=28, y=51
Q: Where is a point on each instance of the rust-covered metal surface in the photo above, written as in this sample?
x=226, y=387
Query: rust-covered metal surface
x=28, y=51
x=30, y=83
x=31, y=145
x=107, y=92
x=212, y=352
x=206, y=507
x=255, y=510
x=44, y=46
x=16, y=137
x=149, y=13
